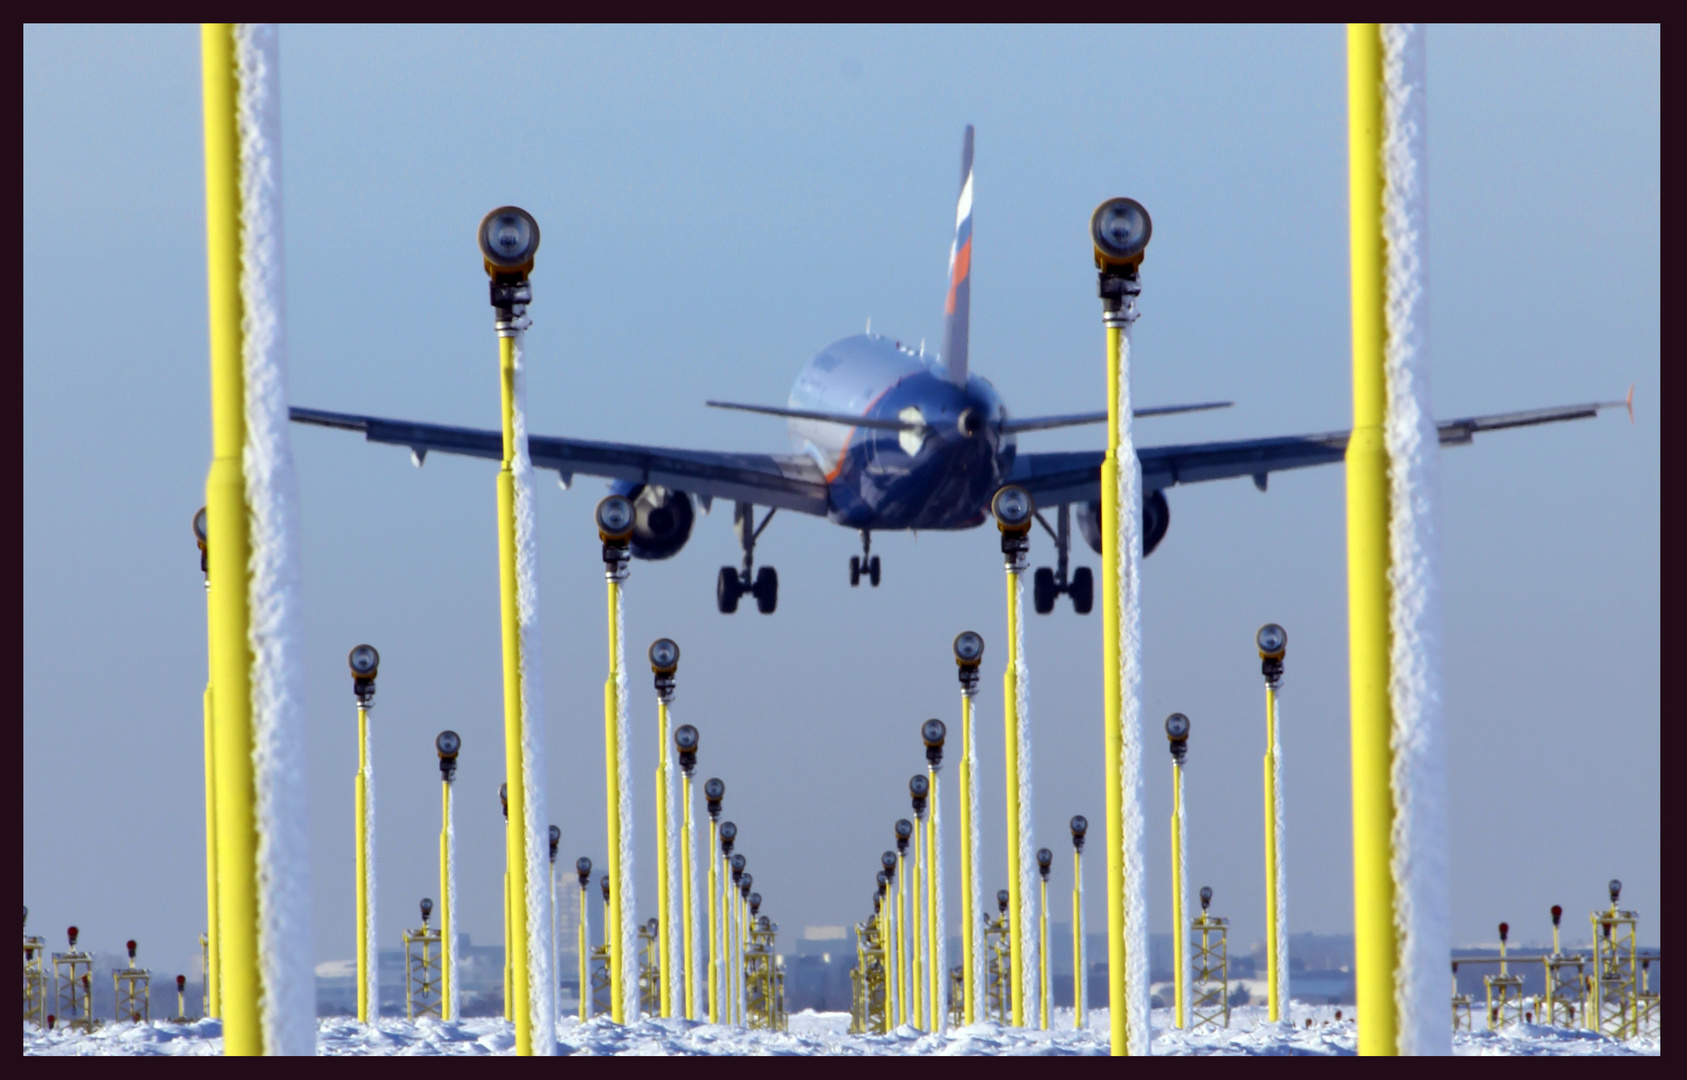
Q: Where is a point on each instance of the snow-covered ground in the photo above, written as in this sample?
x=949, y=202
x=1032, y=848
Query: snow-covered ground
x=824, y=1033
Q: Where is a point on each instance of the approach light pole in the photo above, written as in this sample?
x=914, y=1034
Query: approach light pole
x=969, y=653
x=365, y=664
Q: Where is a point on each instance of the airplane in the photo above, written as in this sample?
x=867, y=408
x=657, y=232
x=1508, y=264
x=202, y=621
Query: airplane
x=888, y=437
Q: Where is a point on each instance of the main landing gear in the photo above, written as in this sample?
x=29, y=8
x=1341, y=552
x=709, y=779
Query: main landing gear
x=864, y=563
x=1047, y=585
x=762, y=584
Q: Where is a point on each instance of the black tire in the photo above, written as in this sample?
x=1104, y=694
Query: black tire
x=1082, y=590
x=873, y=571
x=1042, y=590
x=766, y=590
x=727, y=590
x=854, y=571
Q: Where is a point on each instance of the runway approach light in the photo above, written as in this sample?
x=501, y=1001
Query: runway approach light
x=888, y=861
x=738, y=862
x=1079, y=826
x=904, y=830
x=1002, y=901
x=1177, y=733
x=728, y=834
x=884, y=881
x=919, y=787
x=1015, y=510
x=603, y=883
x=1273, y=642
x=583, y=870
x=615, y=528
x=200, y=536
x=969, y=653
x=755, y=904
x=446, y=746
x=744, y=884
x=714, y=790
x=1616, y=888
x=1120, y=229
x=1206, y=897
x=427, y=910
x=932, y=733
x=509, y=239
x=1045, y=861
x=365, y=663
x=556, y=838
x=1557, y=914
x=664, y=661
x=685, y=741
x=504, y=799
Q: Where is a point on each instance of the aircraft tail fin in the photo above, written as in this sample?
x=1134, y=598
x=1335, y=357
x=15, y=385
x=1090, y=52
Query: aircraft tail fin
x=959, y=301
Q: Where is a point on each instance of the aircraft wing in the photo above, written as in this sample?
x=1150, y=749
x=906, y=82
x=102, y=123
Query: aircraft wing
x=787, y=481
x=1062, y=477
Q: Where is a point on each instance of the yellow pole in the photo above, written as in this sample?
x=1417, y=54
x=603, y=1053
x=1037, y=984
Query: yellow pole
x=1078, y=972
x=885, y=932
x=1180, y=948
x=1273, y=977
x=1010, y=709
x=446, y=926
x=903, y=1008
x=612, y=787
x=663, y=942
x=584, y=950
x=362, y=854
x=714, y=927
x=685, y=875
x=893, y=968
x=969, y=1004
x=1111, y=663
x=1043, y=942
x=515, y=831
x=229, y=550
x=213, y=943
x=1376, y=948
x=934, y=968
x=918, y=972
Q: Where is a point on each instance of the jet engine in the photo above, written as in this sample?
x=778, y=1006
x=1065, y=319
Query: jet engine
x=1156, y=518
x=662, y=518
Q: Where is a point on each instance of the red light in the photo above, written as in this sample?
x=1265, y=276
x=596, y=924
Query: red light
x=1505, y=928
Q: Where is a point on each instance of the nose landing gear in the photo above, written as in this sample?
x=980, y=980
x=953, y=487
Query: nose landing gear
x=1047, y=584
x=864, y=563
x=734, y=583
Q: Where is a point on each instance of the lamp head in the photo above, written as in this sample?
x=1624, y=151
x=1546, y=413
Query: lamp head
x=1272, y=640
x=1080, y=826
x=509, y=238
x=583, y=869
x=504, y=799
x=728, y=834
x=664, y=656
x=1616, y=888
x=201, y=533
x=1045, y=862
x=1206, y=896
x=1557, y=914
x=888, y=861
x=1014, y=509
x=130, y=944
x=969, y=648
x=650, y=927
x=932, y=733
x=1177, y=735
x=556, y=838
x=714, y=789
x=755, y=904
x=1505, y=932
x=918, y=786
x=447, y=744
x=685, y=739
x=1002, y=901
x=883, y=879
x=364, y=661
x=1120, y=230
x=603, y=883
x=904, y=830
x=615, y=526
x=427, y=910
x=738, y=864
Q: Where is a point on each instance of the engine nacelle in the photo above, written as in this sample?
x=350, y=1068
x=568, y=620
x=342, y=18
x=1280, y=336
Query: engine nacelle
x=662, y=518
x=1156, y=519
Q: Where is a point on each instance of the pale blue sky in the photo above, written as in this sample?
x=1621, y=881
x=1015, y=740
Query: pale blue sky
x=719, y=204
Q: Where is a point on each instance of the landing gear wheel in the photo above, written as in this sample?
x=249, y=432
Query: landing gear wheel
x=854, y=571
x=1082, y=590
x=727, y=590
x=766, y=590
x=873, y=571
x=1043, y=590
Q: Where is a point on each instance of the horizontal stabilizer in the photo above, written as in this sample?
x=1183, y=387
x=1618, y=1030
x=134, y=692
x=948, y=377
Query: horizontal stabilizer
x=1043, y=423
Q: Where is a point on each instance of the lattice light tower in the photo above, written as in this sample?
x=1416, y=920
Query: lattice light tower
x=600, y=974
x=764, y=983
x=1565, y=1003
x=1616, y=988
x=1462, y=1005
x=73, y=992
x=1504, y=991
x=649, y=968
x=34, y=977
x=424, y=983
x=1209, y=987
x=998, y=954
x=868, y=980
x=132, y=987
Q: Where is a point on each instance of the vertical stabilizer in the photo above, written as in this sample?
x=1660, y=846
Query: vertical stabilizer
x=959, y=300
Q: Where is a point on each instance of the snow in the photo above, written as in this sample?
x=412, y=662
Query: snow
x=1418, y=737
x=815, y=1034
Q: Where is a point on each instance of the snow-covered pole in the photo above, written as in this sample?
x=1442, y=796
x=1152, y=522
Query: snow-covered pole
x=1080, y=970
x=969, y=653
x=932, y=733
x=365, y=663
x=664, y=662
x=447, y=745
x=1120, y=230
x=1177, y=736
x=1399, y=752
x=251, y=537
x=615, y=519
x=1014, y=510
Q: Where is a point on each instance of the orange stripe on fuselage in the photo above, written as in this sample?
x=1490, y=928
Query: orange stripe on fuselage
x=843, y=452
x=963, y=263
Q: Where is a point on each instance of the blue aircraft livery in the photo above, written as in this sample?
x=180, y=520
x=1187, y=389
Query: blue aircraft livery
x=886, y=436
